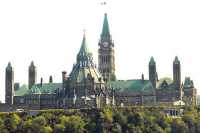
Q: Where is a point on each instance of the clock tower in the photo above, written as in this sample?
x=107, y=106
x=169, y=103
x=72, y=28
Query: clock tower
x=106, y=53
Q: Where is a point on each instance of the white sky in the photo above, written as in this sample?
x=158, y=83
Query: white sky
x=50, y=33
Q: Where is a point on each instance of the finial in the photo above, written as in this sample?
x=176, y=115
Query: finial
x=84, y=31
x=103, y=4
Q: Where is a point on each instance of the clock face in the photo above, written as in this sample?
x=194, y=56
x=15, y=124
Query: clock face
x=105, y=44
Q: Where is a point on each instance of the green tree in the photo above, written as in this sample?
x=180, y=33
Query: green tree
x=46, y=129
x=73, y=124
x=38, y=123
x=116, y=128
x=59, y=128
x=12, y=122
x=178, y=126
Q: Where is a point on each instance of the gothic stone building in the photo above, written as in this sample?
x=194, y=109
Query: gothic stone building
x=87, y=86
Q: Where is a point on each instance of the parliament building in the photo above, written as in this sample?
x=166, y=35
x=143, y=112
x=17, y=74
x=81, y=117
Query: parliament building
x=89, y=86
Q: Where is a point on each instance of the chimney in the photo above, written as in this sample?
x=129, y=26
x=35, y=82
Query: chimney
x=50, y=79
x=41, y=82
x=142, y=78
x=64, y=76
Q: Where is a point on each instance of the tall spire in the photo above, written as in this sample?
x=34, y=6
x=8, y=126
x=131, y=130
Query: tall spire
x=105, y=34
x=84, y=53
x=84, y=50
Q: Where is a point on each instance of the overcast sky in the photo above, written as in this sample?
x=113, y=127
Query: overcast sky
x=49, y=32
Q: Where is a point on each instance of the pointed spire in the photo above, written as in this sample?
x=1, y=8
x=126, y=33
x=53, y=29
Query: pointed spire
x=105, y=31
x=176, y=60
x=152, y=62
x=84, y=50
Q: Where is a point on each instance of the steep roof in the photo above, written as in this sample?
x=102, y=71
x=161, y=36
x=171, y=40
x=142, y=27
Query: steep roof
x=84, y=50
x=105, y=30
x=84, y=67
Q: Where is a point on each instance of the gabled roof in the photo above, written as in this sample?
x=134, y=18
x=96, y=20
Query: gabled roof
x=136, y=85
x=165, y=82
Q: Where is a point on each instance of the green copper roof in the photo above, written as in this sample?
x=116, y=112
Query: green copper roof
x=34, y=90
x=84, y=46
x=188, y=83
x=84, y=52
x=105, y=31
x=21, y=91
x=152, y=62
x=81, y=74
x=84, y=66
x=46, y=88
x=176, y=60
x=130, y=85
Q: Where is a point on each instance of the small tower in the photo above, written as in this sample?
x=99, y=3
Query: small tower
x=177, y=73
x=32, y=75
x=9, y=86
x=106, y=54
x=50, y=79
x=152, y=72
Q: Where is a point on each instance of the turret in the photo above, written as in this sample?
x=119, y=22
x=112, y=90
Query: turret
x=177, y=73
x=50, y=79
x=177, y=76
x=106, y=53
x=152, y=72
x=64, y=76
x=9, y=85
x=32, y=75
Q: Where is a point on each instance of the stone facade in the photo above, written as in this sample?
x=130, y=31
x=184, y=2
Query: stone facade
x=90, y=87
x=9, y=85
x=106, y=53
x=32, y=75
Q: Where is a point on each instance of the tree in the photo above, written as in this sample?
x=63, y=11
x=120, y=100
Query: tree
x=38, y=123
x=59, y=128
x=73, y=124
x=46, y=129
x=116, y=128
x=178, y=126
x=12, y=122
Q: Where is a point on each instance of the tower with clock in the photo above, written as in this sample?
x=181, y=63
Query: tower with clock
x=106, y=53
